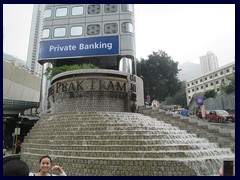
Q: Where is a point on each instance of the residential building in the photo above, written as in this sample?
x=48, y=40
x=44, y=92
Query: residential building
x=208, y=62
x=211, y=80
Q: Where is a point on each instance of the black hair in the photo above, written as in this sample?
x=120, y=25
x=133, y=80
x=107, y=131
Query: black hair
x=46, y=156
x=15, y=167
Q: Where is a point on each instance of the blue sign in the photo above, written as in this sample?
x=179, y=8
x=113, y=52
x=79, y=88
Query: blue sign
x=80, y=47
x=199, y=101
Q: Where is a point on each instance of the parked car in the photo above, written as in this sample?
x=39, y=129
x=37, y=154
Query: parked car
x=221, y=116
x=199, y=114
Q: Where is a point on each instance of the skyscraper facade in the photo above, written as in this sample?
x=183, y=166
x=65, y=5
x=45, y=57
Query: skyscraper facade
x=74, y=34
x=208, y=62
x=34, y=39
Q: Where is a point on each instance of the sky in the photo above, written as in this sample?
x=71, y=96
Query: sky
x=184, y=31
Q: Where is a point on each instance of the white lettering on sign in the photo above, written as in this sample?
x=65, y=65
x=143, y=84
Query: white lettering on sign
x=62, y=48
x=99, y=45
x=82, y=46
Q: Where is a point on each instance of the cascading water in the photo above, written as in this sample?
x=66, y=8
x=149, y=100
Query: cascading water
x=122, y=137
x=90, y=132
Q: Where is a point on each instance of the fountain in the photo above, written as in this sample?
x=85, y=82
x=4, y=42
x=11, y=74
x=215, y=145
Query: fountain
x=91, y=132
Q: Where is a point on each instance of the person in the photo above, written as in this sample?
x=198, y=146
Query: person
x=5, y=153
x=148, y=101
x=18, y=147
x=220, y=172
x=45, y=165
x=4, y=150
x=184, y=112
x=15, y=167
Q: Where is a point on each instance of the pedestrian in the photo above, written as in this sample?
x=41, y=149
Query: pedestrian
x=18, y=146
x=184, y=112
x=45, y=166
x=14, y=167
x=148, y=101
x=4, y=150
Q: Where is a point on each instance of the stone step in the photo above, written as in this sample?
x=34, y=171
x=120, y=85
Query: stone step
x=117, y=142
x=102, y=128
x=201, y=129
x=122, y=148
x=112, y=137
x=38, y=132
x=89, y=166
x=108, y=121
x=92, y=114
x=63, y=118
x=46, y=125
x=132, y=154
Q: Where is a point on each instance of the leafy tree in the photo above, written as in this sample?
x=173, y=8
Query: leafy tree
x=179, y=98
x=209, y=94
x=159, y=73
x=50, y=72
x=231, y=87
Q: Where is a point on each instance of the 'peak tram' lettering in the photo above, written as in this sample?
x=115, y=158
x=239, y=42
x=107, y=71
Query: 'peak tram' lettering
x=87, y=85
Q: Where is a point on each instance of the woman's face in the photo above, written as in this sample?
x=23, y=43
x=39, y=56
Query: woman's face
x=45, y=165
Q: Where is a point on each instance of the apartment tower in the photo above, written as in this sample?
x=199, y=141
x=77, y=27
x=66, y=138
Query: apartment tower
x=208, y=62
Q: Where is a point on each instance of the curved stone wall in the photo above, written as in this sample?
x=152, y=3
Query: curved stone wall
x=90, y=90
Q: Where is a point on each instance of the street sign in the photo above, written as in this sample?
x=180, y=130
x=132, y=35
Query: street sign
x=17, y=131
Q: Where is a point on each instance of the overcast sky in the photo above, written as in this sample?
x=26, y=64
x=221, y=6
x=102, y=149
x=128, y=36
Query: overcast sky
x=185, y=32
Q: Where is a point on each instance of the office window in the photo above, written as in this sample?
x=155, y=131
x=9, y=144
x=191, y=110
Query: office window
x=206, y=85
x=76, y=31
x=201, y=87
x=216, y=75
x=188, y=85
x=110, y=28
x=47, y=13
x=192, y=83
x=197, y=88
x=110, y=8
x=189, y=97
x=60, y=12
x=196, y=82
x=45, y=33
x=218, y=89
x=217, y=82
x=211, y=84
x=200, y=80
x=127, y=27
x=210, y=77
x=188, y=91
x=192, y=90
x=205, y=78
x=93, y=29
x=94, y=9
x=59, y=32
x=221, y=72
x=233, y=68
x=227, y=71
x=127, y=7
x=77, y=10
x=222, y=80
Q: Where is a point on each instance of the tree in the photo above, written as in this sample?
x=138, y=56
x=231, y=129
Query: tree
x=209, y=94
x=179, y=98
x=159, y=73
x=50, y=72
x=231, y=87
